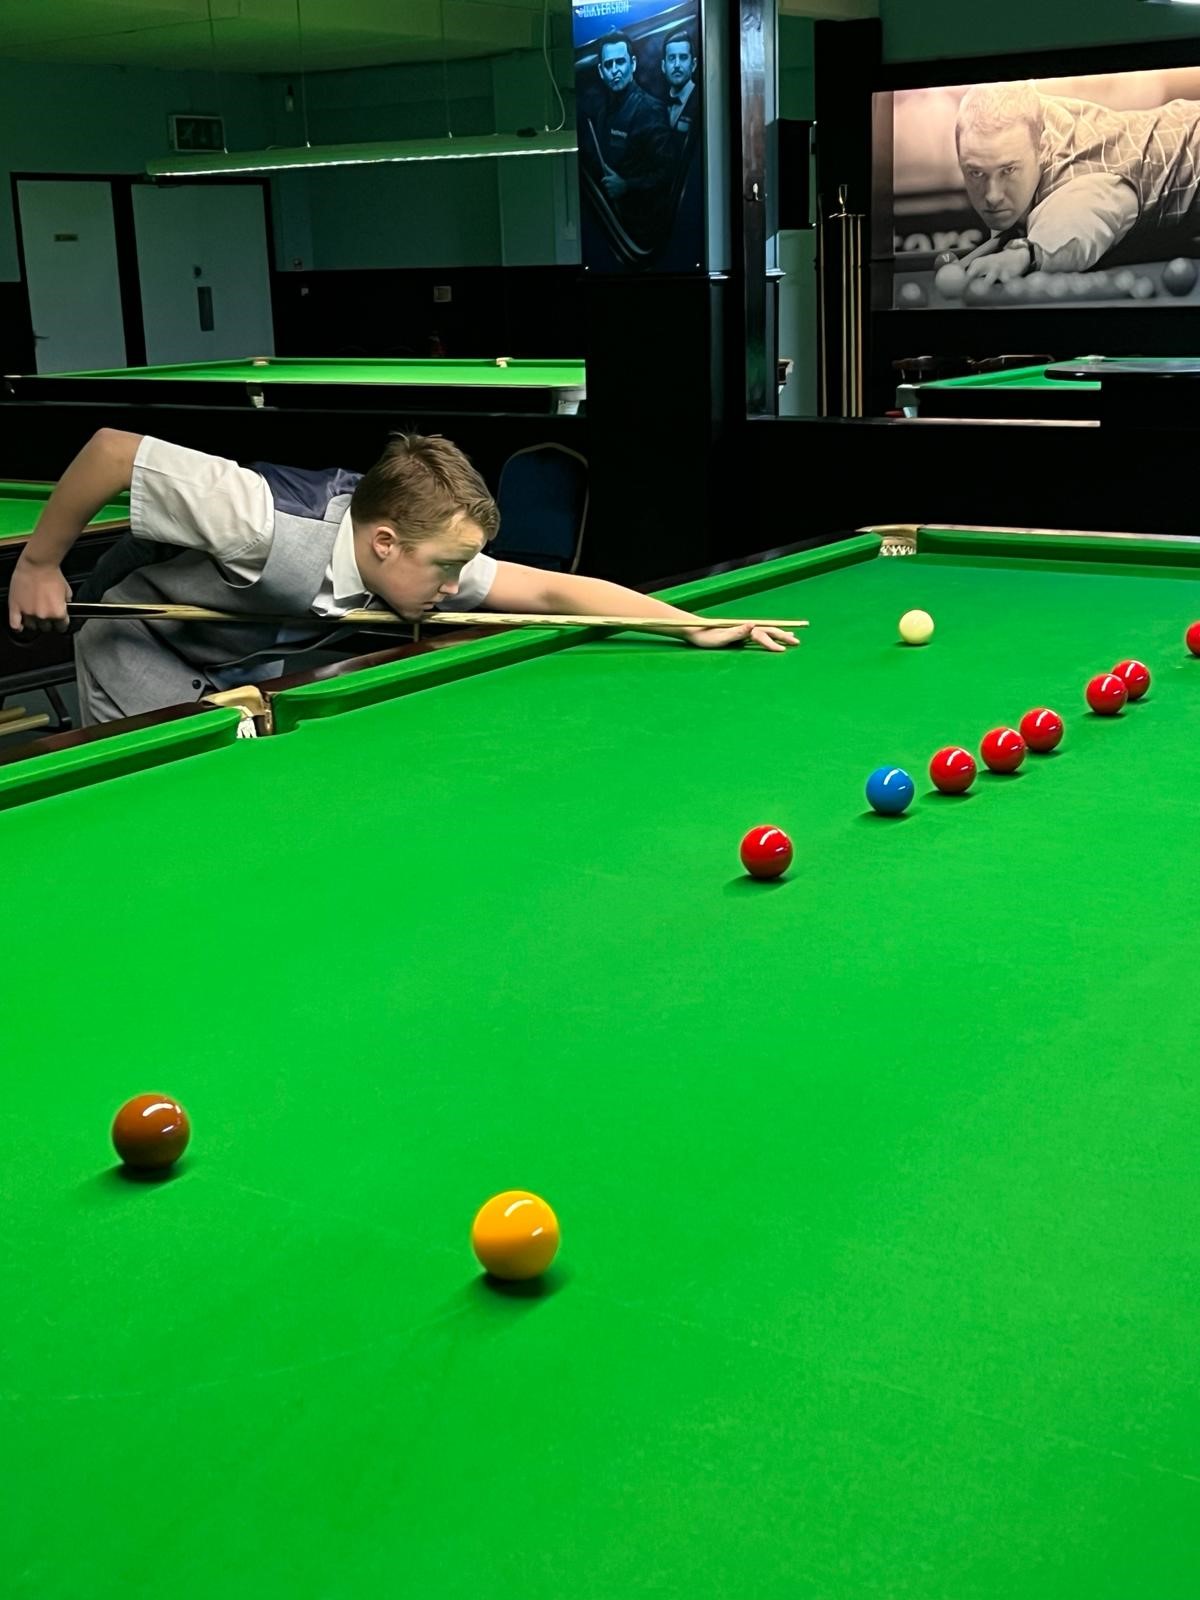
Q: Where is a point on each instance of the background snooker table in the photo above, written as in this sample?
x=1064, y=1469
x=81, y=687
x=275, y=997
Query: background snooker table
x=21, y=504
x=1014, y=392
x=878, y=1185
x=329, y=383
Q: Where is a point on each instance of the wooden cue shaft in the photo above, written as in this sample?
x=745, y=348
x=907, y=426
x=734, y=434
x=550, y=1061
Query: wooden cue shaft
x=851, y=312
x=845, y=253
x=858, y=330
x=855, y=293
x=822, y=309
x=124, y=612
x=850, y=344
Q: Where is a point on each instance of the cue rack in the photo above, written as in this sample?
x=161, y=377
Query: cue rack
x=840, y=310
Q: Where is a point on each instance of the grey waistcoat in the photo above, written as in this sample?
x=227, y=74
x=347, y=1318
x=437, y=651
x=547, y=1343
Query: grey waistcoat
x=144, y=665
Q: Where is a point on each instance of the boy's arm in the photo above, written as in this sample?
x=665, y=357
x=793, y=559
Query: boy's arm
x=528, y=589
x=38, y=593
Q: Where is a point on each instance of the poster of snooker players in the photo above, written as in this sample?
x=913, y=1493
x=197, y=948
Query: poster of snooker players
x=1046, y=192
x=639, y=97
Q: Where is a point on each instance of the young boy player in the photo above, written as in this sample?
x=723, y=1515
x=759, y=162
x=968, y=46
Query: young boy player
x=280, y=541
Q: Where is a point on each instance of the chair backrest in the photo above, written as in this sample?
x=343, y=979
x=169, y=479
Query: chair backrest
x=543, y=501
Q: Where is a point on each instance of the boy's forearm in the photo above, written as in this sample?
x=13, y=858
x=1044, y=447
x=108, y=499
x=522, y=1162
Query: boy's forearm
x=596, y=597
x=101, y=470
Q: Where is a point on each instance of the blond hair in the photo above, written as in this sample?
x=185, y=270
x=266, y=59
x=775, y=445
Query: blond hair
x=420, y=484
x=994, y=107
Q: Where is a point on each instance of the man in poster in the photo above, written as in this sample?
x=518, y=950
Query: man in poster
x=625, y=146
x=683, y=109
x=1061, y=182
x=683, y=97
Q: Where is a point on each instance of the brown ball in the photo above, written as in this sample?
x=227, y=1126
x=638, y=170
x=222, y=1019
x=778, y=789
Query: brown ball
x=150, y=1132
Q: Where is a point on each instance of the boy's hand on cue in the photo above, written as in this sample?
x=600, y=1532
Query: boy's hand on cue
x=37, y=598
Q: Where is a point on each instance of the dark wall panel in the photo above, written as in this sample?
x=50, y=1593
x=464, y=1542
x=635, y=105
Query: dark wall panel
x=514, y=311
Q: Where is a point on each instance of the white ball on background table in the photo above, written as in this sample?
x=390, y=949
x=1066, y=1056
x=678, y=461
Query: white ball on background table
x=916, y=627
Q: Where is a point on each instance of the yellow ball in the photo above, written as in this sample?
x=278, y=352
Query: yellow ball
x=515, y=1235
x=916, y=627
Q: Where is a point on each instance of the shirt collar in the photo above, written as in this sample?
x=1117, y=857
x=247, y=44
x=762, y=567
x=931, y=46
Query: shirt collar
x=347, y=579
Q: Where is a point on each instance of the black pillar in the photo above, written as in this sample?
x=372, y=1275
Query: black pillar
x=656, y=423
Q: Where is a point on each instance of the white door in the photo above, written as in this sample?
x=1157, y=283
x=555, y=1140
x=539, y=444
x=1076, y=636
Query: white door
x=205, y=277
x=70, y=247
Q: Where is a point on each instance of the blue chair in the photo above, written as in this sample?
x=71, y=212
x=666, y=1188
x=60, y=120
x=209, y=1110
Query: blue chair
x=543, y=501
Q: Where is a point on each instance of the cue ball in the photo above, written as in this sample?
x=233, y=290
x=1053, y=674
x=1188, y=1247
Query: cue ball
x=766, y=852
x=515, y=1236
x=150, y=1132
x=1179, y=276
x=952, y=770
x=1042, y=730
x=951, y=282
x=1135, y=676
x=1106, y=694
x=890, y=791
x=1003, y=750
x=916, y=627
x=912, y=294
x=1192, y=638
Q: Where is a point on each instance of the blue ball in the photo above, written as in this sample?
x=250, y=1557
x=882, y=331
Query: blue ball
x=890, y=791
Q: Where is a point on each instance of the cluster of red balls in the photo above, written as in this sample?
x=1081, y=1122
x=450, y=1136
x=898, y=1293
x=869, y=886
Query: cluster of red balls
x=767, y=852
x=1108, y=692
x=952, y=770
x=1003, y=749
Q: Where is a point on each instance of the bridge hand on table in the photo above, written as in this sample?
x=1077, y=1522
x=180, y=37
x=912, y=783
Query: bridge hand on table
x=1012, y=262
x=776, y=639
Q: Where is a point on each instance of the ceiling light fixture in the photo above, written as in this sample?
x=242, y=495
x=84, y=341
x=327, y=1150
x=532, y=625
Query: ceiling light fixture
x=463, y=147
x=558, y=141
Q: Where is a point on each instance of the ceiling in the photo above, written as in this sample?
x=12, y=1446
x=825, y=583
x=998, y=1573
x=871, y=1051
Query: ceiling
x=261, y=35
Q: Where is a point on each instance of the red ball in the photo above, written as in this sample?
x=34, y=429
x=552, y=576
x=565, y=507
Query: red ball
x=1003, y=750
x=1192, y=638
x=1134, y=676
x=151, y=1130
x=1042, y=729
x=952, y=770
x=766, y=852
x=1106, y=694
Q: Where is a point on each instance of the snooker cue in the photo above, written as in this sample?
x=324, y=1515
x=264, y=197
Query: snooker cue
x=823, y=310
x=858, y=316
x=609, y=172
x=113, y=611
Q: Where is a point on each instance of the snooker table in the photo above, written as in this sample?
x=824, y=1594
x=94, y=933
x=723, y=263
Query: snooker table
x=877, y=1184
x=1015, y=392
x=43, y=660
x=325, y=383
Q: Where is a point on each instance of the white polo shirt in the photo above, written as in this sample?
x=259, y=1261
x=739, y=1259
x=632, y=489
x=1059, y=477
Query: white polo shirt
x=185, y=497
